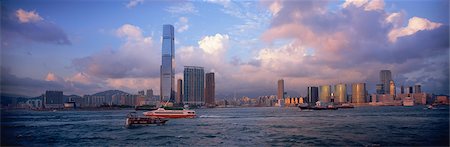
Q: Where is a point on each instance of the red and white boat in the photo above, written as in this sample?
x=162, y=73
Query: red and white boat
x=163, y=113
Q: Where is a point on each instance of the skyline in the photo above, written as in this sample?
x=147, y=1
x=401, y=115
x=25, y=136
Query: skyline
x=117, y=45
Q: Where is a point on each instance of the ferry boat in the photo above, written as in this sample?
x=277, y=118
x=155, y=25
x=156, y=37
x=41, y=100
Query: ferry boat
x=163, y=113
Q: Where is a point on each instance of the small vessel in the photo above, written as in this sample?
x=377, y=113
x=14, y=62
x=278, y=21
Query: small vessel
x=345, y=106
x=133, y=119
x=163, y=113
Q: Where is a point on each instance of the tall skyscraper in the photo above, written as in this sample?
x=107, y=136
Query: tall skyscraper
x=179, y=96
x=359, y=93
x=313, y=94
x=402, y=89
x=167, y=82
x=385, y=78
x=392, y=88
x=325, y=93
x=280, y=94
x=340, y=93
x=194, y=85
x=210, y=89
x=417, y=89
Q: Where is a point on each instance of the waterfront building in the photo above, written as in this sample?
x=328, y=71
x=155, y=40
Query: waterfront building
x=385, y=78
x=142, y=92
x=410, y=90
x=417, y=89
x=280, y=94
x=340, y=93
x=442, y=99
x=392, y=88
x=193, y=93
x=53, y=99
x=359, y=93
x=210, y=88
x=325, y=93
x=313, y=94
x=167, y=79
x=380, y=88
x=402, y=89
x=150, y=93
x=179, y=97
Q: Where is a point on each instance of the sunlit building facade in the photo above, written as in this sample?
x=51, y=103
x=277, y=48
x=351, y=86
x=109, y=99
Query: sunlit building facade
x=385, y=78
x=280, y=94
x=167, y=81
x=359, y=93
x=340, y=93
x=325, y=93
x=194, y=85
x=392, y=88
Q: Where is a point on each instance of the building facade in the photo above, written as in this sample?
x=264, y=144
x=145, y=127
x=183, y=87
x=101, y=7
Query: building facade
x=340, y=93
x=167, y=79
x=359, y=93
x=313, y=94
x=325, y=93
x=392, y=88
x=210, y=89
x=385, y=78
x=179, y=97
x=280, y=92
x=54, y=99
x=194, y=78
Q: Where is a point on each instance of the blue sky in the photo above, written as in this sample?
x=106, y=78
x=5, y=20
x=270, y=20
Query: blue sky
x=83, y=47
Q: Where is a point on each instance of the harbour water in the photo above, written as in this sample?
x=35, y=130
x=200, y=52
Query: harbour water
x=269, y=126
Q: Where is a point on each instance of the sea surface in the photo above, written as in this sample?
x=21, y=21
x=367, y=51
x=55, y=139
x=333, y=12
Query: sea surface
x=262, y=126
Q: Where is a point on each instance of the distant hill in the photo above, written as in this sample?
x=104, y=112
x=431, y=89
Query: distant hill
x=109, y=93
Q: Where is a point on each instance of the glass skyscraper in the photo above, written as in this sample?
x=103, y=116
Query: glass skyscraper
x=167, y=85
x=324, y=93
x=385, y=78
x=313, y=95
x=194, y=85
x=340, y=93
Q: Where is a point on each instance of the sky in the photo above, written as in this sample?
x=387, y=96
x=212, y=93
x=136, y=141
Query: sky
x=84, y=47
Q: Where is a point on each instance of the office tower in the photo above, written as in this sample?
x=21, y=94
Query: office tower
x=402, y=89
x=141, y=92
x=179, y=96
x=385, y=78
x=313, y=94
x=380, y=88
x=194, y=85
x=280, y=94
x=53, y=99
x=340, y=93
x=167, y=83
x=210, y=87
x=150, y=93
x=410, y=89
x=392, y=88
x=324, y=93
x=417, y=89
x=359, y=93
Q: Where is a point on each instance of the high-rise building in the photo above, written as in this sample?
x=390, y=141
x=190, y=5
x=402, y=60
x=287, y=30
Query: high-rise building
x=359, y=93
x=167, y=81
x=141, y=92
x=313, y=94
x=402, y=89
x=150, y=93
x=194, y=85
x=410, y=89
x=325, y=93
x=210, y=88
x=53, y=99
x=280, y=94
x=392, y=88
x=417, y=89
x=385, y=78
x=340, y=93
x=380, y=88
x=179, y=97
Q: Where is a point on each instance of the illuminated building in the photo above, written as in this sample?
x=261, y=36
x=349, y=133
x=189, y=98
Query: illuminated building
x=392, y=88
x=340, y=93
x=280, y=94
x=359, y=93
x=324, y=93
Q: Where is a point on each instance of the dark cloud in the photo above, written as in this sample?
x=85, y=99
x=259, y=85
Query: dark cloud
x=14, y=32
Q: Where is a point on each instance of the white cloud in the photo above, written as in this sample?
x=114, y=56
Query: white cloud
x=182, y=8
x=26, y=17
x=371, y=5
x=182, y=24
x=52, y=77
x=221, y=2
x=133, y=3
x=129, y=31
x=395, y=18
x=415, y=24
x=275, y=7
x=214, y=44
